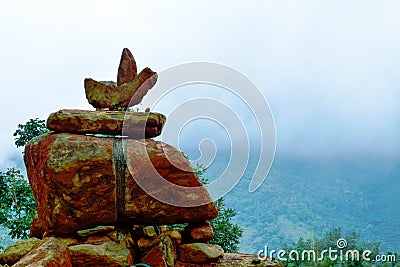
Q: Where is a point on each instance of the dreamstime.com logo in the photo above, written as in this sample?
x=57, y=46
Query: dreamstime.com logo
x=333, y=254
x=218, y=111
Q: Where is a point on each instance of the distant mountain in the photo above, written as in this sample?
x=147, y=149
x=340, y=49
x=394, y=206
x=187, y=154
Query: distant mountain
x=5, y=239
x=299, y=197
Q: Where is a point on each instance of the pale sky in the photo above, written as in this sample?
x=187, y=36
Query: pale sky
x=329, y=69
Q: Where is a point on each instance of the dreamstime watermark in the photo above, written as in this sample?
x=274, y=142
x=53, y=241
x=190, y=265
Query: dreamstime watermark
x=217, y=110
x=333, y=254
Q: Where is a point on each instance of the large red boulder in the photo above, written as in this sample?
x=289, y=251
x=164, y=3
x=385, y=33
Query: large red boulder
x=79, y=182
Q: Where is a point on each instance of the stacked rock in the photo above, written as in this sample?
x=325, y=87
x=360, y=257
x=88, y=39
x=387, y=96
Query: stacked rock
x=84, y=179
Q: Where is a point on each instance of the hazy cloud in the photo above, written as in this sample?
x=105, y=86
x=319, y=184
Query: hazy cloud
x=328, y=69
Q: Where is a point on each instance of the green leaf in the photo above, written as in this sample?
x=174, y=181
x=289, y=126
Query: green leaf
x=17, y=204
x=226, y=233
x=26, y=132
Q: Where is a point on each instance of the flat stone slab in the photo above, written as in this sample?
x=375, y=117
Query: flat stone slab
x=135, y=125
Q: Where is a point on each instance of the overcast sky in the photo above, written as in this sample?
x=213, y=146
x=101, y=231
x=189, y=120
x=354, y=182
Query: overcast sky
x=329, y=69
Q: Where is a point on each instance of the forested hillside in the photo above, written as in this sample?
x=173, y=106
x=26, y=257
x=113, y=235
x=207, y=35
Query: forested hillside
x=301, y=197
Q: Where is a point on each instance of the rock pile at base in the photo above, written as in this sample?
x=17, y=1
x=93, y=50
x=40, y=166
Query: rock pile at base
x=95, y=179
x=105, y=246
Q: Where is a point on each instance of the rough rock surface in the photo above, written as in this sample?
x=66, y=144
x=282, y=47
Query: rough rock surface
x=154, y=257
x=146, y=242
x=245, y=260
x=235, y=260
x=175, y=235
x=69, y=241
x=101, y=95
x=162, y=254
x=16, y=251
x=110, y=254
x=149, y=231
x=73, y=178
x=97, y=239
x=199, y=232
x=51, y=252
x=127, y=68
x=131, y=124
x=37, y=228
x=99, y=230
x=199, y=253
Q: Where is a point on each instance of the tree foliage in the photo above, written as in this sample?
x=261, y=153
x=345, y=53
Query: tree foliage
x=17, y=204
x=29, y=130
x=329, y=240
x=226, y=233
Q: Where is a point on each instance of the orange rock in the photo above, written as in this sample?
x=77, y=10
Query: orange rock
x=96, y=231
x=16, y=251
x=101, y=95
x=161, y=255
x=242, y=260
x=175, y=235
x=50, y=253
x=185, y=264
x=199, y=232
x=149, y=231
x=73, y=178
x=146, y=242
x=155, y=257
x=105, y=254
x=37, y=228
x=199, y=253
x=97, y=239
x=131, y=124
x=127, y=68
